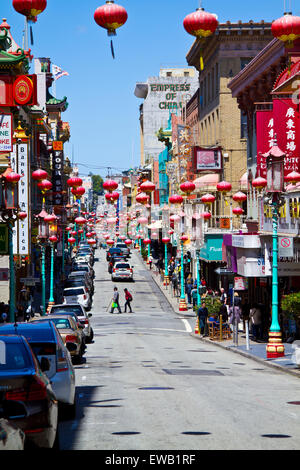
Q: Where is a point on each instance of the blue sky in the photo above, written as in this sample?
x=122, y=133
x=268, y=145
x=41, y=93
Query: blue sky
x=103, y=111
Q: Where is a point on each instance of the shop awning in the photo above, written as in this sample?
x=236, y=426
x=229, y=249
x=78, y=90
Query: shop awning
x=207, y=182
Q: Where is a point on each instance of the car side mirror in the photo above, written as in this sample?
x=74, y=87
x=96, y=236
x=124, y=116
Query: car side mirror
x=90, y=315
x=45, y=364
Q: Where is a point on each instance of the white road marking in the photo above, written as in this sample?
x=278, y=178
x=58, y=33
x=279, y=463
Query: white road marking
x=188, y=327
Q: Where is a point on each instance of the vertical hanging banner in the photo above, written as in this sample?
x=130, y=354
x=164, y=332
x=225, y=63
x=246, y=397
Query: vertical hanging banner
x=287, y=128
x=14, y=166
x=6, y=133
x=58, y=167
x=23, y=225
x=265, y=138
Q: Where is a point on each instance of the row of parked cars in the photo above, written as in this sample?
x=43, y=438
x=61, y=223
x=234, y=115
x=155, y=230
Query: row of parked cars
x=118, y=265
x=37, y=375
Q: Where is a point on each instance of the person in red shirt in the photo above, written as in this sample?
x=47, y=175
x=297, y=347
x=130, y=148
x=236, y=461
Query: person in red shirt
x=128, y=298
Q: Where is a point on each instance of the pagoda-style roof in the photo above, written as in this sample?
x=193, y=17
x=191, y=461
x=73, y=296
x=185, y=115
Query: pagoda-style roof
x=12, y=56
x=287, y=77
x=55, y=104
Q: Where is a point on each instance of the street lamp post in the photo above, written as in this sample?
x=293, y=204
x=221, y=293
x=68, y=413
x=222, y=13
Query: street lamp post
x=274, y=189
x=165, y=241
x=42, y=240
x=198, y=279
x=182, y=302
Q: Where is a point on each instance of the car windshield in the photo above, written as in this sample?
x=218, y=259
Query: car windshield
x=13, y=356
x=75, y=282
x=67, y=311
x=68, y=292
x=121, y=245
x=122, y=265
x=61, y=323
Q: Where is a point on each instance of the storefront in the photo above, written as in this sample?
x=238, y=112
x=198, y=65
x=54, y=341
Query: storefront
x=211, y=259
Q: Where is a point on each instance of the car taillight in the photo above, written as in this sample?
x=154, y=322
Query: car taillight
x=36, y=391
x=114, y=270
x=86, y=322
x=84, y=296
x=61, y=364
x=71, y=338
x=130, y=270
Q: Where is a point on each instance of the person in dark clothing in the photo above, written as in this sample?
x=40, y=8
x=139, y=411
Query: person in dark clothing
x=202, y=315
x=115, y=301
x=223, y=311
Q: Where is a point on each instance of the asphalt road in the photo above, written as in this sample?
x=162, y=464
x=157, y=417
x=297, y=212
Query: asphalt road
x=146, y=384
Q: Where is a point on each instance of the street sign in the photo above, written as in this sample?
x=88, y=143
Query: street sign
x=286, y=247
x=224, y=272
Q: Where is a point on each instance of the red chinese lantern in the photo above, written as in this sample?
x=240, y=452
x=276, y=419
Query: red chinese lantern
x=49, y=218
x=201, y=24
x=74, y=182
x=89, y=235
x=71, y=240
x=184, y=238
x=92, y=241
x=45, y=185
x=13, y=177
x=239, y=197
x=39, y=175
x=208, y=199
x=53, y=239
x=80, y=231
x=188, y=187
x=147, y=187
x=22, y=215
x=80, y=220
x=206, y=215
x=147, y=241
x=78, y=191
x=166, y=240
x=30, y=8
x=287, y=29
x=128, y=242
x=110, y=185
x=176, y=199
x=259, y=183
x=293, y=177
x=224, y=187
x=110, y=242
x=237, y=211
x=111, y=17
x=142, y=198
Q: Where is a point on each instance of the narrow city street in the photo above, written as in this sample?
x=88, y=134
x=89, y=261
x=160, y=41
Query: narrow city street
x=146, y=383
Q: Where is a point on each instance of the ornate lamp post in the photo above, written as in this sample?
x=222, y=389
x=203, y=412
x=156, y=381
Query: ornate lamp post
x=274, y=189
x=165, y=241
x=182, y=302
x=9, y=206
x=42, y=241
x=52, y=221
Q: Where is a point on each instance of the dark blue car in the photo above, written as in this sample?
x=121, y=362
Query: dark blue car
x=26, y=396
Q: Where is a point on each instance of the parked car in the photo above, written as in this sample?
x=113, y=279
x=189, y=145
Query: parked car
x=77, y=294
x=78, y=311
x=112, y=251
x=84, y=267
x=122, y=270
x=26, y=395
x=81, y=275
x=78, y=282
x=71, y=333
x=45, y=341
x=11, y=437
x=124, y=248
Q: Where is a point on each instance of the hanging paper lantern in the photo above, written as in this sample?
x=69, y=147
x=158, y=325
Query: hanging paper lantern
x=53, y=239
x=50, y=218
x=170, y=232
x=205, y=215
x=239, y=197
x=147, y=187
x=45, y=185
x=259, y=183
x=224, y=187
x=22, y=215
x=78, y=191
x=188, y=187
x=110, y=185
x=208, y=198
x=92, y=241
x=80, y=231
x=74, y=182
x=293, y=177
x=72, y=240
x=110, y=242
x=142, y=220
x=39, y=175
x=147, y=241
x=184, y=238
x=142, y=198
x=287, y=29
x=111, y=17
x=13, y=177
x=80, y=220
x=237, y=211
x=128, y=242
x=30, y=8
x=201, y=24
x=176, y=199
x=175, y=218
x=166, y=240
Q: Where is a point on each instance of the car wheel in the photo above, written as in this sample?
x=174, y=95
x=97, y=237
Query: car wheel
x=89, y=339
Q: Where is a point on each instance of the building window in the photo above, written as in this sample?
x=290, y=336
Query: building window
x=169, y=74
x=186, y=74
x=244, y=128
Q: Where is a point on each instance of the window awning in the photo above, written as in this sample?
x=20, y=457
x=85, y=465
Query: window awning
x=207, y=182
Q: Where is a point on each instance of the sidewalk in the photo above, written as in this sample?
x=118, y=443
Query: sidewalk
x=256, y=351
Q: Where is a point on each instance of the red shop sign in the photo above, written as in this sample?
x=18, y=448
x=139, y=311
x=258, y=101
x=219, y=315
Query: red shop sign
x=264, y=138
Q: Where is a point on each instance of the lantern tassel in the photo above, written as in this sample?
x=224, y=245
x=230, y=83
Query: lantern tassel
x=31, y=36
x=112, y=49
x=201, y=62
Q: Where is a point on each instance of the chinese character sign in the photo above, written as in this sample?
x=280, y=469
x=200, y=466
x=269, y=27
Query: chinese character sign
x=265, y=138
x=287, y=128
